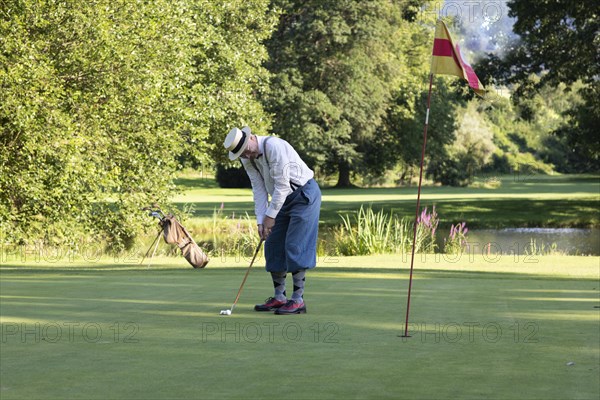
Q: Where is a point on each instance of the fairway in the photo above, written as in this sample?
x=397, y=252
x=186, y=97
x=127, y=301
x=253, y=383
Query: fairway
x=507, y=329
x=519, y=201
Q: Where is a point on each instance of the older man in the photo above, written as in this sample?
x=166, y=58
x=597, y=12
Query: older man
x=289, y=221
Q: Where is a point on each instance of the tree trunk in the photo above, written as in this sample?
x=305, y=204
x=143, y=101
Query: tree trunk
x=344, y=176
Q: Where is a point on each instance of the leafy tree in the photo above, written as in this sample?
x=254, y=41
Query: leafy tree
x=470, y=150
x=92, y=96
x=559, y=42
x=337, y=65
x=579, y=138
x=558, y=37
x=100, y=99
x=473, y=139
x=404, y=124
x=400, y=137
x=228, y=57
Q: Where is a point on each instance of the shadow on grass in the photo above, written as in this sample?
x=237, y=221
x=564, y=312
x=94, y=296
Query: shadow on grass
x=487, y=213
x=464, y=204
x=7, y=271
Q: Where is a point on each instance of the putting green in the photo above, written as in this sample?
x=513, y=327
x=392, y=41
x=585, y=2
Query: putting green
x=507, y=329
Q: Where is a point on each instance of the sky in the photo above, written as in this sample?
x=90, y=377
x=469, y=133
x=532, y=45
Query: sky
x=481, y=26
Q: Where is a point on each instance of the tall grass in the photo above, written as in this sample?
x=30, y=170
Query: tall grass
x=370, y=232
x=233, y=235
x=427, y=224
x=457, y=239
x=542, y=249
x=225, y=234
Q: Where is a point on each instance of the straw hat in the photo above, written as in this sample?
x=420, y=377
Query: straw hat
x=237, y=141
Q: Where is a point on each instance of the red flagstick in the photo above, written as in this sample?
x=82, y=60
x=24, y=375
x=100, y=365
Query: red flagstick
x=443, y=53
x=412, y=259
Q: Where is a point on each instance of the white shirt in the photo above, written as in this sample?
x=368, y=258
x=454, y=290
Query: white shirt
x=279, y=176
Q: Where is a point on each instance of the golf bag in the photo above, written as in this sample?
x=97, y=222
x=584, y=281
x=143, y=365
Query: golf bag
x=174, y=233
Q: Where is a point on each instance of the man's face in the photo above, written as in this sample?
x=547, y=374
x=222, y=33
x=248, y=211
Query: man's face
x=251, y=151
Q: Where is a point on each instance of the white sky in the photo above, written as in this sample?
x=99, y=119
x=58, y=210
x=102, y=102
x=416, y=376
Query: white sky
x=481, y=26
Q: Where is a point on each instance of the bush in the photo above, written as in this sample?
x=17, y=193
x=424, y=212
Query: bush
x=232, y=177
x=450, y=171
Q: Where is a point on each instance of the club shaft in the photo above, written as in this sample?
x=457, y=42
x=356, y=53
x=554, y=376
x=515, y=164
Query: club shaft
x=151, y=246
x=246, y=275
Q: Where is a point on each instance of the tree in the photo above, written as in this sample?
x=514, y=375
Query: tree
x=559, y=42
x=404, y=123
x=93, y=96
x=100, y=100
x=228, y=56
x=579, y=139
x=473, y=143
x=336, y=65
x=559, y=37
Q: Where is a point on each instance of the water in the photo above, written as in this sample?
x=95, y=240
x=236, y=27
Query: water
x=571, y=241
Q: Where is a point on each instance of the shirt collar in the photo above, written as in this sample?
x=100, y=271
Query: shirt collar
x=261, y=146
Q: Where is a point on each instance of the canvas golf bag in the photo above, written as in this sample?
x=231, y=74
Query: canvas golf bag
x=174, y=233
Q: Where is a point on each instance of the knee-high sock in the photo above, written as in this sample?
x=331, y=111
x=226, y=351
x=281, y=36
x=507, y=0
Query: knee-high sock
x=279, y=285
x=299, y=279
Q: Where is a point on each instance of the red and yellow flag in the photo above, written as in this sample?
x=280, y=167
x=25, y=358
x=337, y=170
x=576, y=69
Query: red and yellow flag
x=448, y=60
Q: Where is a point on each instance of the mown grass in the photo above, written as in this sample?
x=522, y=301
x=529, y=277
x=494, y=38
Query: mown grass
x=496, y=328
x=518, y=201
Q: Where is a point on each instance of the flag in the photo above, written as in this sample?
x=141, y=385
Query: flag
x=448, y=60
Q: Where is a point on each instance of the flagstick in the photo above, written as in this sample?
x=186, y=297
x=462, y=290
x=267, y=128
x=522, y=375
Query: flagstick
x=412, y=259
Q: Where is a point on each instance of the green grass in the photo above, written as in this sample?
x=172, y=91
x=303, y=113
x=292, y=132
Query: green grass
x=519, y=201
x=137, y=333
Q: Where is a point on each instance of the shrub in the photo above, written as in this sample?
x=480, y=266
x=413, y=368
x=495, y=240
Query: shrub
x=232, y=177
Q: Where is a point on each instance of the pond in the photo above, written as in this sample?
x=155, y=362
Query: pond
x=571, y=241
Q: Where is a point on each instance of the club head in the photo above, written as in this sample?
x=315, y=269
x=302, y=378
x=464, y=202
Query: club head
x=155, y=215
x=225, y=312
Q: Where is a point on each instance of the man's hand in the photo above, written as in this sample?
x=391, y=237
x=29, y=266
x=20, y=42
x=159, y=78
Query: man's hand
x=268, y=224
x=261, y=231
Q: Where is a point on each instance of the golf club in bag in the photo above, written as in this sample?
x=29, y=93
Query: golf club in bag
x=229, y=311
x=174, y=233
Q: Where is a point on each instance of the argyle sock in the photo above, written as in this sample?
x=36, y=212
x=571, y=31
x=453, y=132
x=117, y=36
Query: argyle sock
x=299, y=279
x=279, y=285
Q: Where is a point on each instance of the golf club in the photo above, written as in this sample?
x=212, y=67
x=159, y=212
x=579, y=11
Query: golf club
x=156, y=213
x=229, y=311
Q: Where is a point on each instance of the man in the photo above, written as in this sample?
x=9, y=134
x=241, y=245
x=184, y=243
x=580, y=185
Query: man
x=289, y=221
